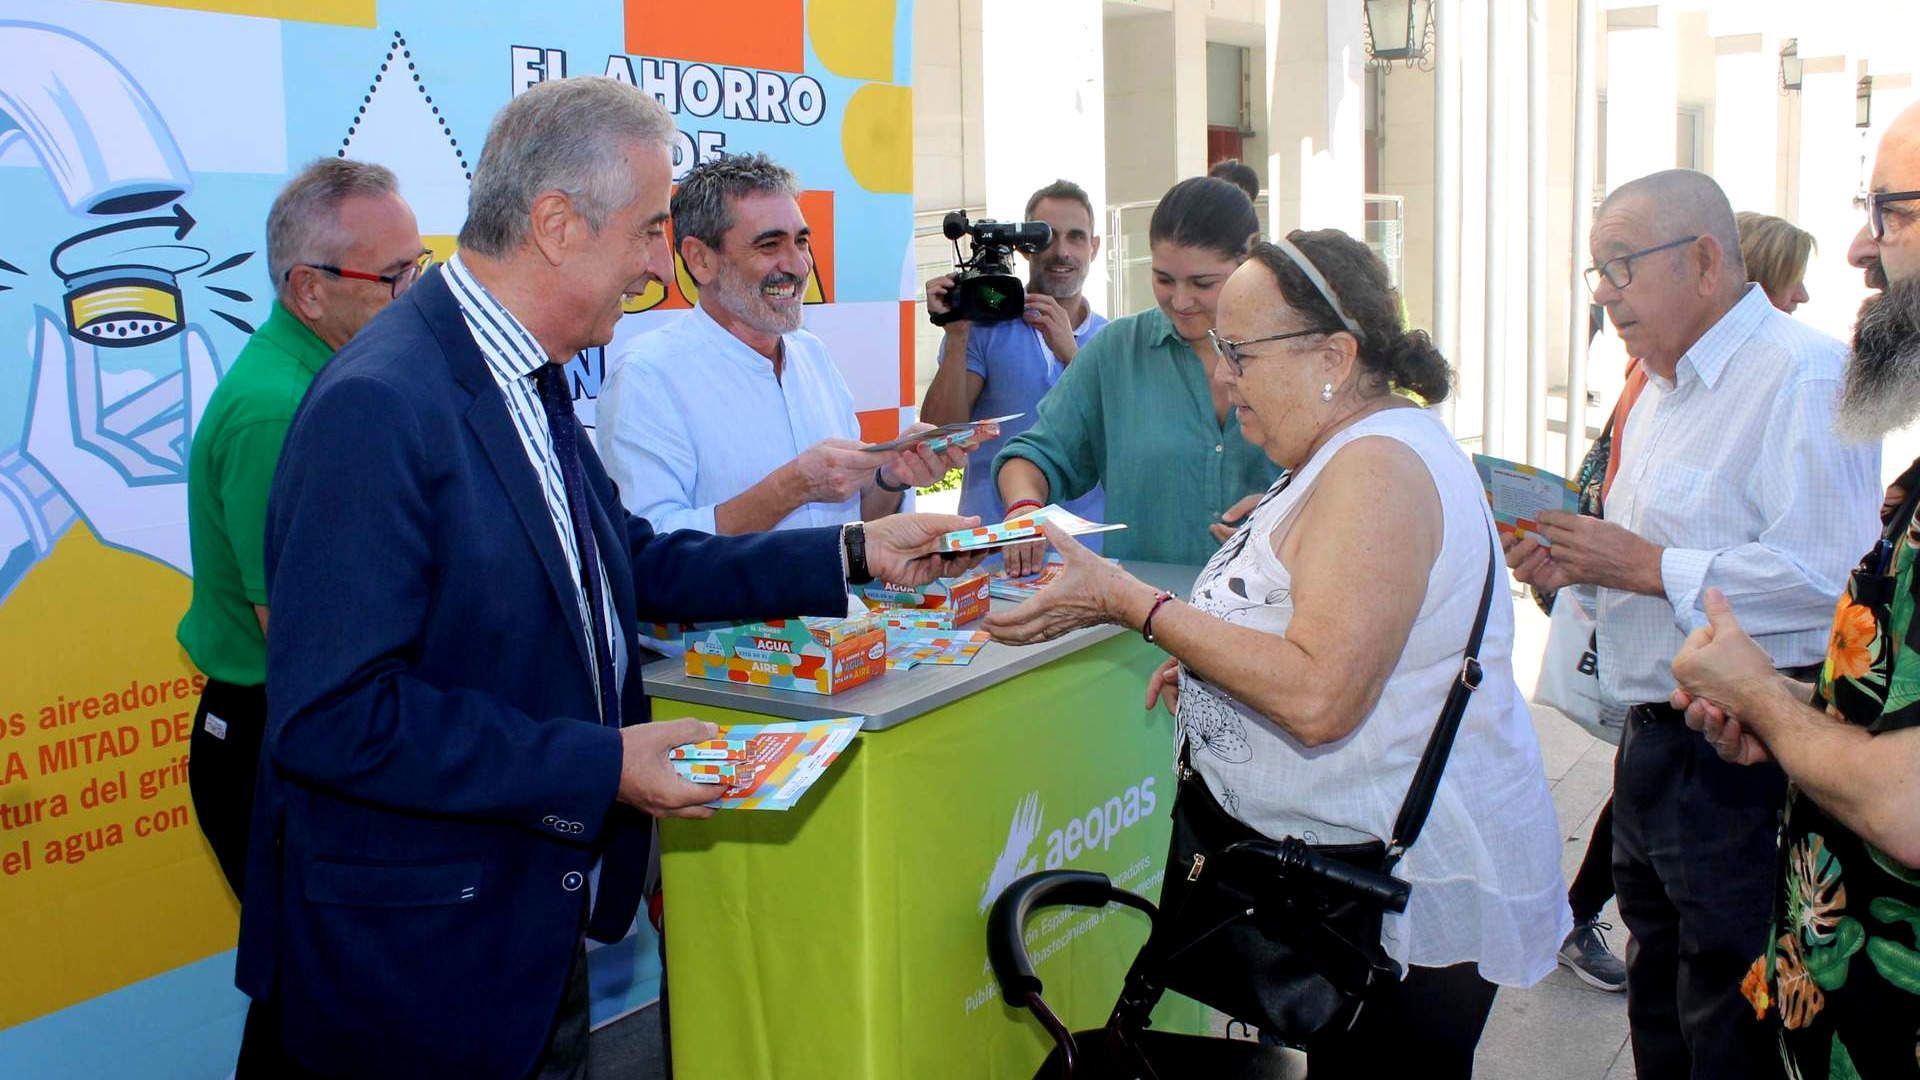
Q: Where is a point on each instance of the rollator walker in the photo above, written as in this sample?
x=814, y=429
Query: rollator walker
x=1127, y=1048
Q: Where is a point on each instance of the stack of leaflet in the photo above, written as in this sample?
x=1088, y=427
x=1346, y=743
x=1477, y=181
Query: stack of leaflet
x=1019, y=529
x=716, y=761
x=946, y=436
x=764, y=766
x=913, y=648
x=1020, y=589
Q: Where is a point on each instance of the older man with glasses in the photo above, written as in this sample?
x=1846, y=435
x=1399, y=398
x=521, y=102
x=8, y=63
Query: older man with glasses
x=1731, y=478
x=336, y=211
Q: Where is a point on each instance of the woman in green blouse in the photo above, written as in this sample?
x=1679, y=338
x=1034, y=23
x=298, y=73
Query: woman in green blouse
x=1138, y=409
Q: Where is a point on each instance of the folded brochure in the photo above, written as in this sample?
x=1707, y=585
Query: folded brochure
x=782, y=761
x=913, y=648
x=1022, y=528
x=941, y=437
x=1002, y=586
x=1519, y=494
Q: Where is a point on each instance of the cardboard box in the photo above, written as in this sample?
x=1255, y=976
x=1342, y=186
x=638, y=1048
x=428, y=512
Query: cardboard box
x=940, y=605
x=815, y=655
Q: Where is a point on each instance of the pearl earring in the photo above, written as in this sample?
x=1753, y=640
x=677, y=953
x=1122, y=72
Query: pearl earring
x=1326, y=392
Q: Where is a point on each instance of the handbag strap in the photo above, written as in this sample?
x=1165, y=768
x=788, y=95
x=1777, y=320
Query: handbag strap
x=1426, y=778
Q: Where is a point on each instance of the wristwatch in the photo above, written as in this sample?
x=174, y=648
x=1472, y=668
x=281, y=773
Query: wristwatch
x=853, y=540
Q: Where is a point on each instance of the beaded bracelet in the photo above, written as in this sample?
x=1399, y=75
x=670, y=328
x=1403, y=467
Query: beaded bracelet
x=1146, y=628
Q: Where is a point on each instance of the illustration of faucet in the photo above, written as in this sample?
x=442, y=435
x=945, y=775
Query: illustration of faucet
x=121, y=465
x=95, y=131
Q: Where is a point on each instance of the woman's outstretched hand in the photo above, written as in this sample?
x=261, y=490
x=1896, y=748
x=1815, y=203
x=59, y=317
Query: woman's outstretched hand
x=1089, y=592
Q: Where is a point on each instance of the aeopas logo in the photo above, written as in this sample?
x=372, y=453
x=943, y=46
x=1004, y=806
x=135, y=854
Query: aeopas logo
x=1013, y=862
x=1094, y=829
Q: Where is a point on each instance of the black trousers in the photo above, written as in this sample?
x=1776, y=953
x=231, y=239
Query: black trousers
x=1693, y=862
x=1593, y=885
x=1426, y=1025
x=224, y=763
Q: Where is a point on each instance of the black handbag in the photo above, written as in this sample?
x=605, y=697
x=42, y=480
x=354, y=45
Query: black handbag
x=1283, y=951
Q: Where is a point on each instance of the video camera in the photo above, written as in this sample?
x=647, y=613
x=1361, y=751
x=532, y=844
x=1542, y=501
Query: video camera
x=985, y=288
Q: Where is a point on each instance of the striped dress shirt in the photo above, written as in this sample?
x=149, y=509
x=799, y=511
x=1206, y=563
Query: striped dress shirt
x=1733, y=467
x=512, y=357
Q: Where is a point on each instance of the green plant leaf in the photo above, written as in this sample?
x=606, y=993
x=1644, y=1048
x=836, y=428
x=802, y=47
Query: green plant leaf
x=1896, y=963
x=1827, y=964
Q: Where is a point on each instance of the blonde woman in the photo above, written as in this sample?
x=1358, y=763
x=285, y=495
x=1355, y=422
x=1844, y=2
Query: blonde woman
x=1776, y=253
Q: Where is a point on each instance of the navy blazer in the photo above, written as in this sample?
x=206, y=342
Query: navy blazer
x=435, y=785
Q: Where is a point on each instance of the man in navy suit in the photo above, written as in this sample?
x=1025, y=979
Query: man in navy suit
x=458, y=774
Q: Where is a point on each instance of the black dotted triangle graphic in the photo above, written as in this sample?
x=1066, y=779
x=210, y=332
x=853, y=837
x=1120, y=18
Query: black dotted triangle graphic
x=398, y=53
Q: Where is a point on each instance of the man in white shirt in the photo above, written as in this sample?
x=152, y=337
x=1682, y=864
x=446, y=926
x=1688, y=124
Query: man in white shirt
x=733, y=419
x=1732, y=478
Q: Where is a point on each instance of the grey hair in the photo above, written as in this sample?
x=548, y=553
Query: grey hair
x=702, y=203
x=1063, y=190
x=304, y=224
x=1683, y=201
x=566, y=135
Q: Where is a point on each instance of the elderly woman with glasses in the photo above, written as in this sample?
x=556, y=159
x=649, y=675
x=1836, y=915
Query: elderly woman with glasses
x=1313, y=656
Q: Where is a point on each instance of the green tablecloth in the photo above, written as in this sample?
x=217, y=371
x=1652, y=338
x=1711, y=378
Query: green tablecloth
x=847, y=938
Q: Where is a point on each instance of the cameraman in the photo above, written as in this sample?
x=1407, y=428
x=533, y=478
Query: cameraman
x=999, y=368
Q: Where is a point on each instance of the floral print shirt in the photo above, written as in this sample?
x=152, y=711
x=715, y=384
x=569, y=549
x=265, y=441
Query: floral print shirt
x=1842, y=970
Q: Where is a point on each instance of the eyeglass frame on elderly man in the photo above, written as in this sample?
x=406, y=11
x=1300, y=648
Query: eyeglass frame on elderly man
x=1626, y=263
x=1875, y=203
x=399, y=282
x=1228, y=350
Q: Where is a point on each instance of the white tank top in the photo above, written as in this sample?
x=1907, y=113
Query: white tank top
x=1486, y=869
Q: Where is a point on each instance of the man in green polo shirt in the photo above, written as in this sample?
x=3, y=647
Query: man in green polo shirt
x=341, y=244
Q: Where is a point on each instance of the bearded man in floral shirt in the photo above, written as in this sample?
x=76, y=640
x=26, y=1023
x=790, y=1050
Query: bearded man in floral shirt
x=1842, y=972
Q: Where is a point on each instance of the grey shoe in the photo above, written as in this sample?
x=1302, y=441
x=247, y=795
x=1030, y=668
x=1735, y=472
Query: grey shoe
x=1586, y=952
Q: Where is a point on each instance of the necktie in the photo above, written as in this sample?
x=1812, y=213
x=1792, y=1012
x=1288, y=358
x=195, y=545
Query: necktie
x=623, y=861
x=557, y=400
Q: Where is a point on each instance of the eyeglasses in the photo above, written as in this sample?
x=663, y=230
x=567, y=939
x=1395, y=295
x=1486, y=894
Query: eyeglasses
x=1618, y=271
x=1230, y=353
x=1875, y=203
x=400, y=282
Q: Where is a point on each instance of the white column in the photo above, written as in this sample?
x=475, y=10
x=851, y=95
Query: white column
x=1142, y=117
x=1316, y=102
x=1584, y=111
x=1446, y=191
x=1156, y=120
x=1830, y=149
x=1746, y=106
x=1043, y=119
x=1188, y=55
x=1641, y=98
x=1469, y=23
x=1494, y=351
x=1537, y=107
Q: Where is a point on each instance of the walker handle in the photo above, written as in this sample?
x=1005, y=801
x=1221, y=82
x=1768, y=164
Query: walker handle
x=1006, y=923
